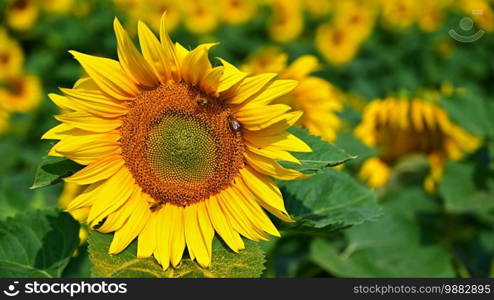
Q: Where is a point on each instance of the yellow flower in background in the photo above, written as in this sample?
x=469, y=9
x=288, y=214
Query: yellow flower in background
x=355, y=16
x=57, y=6
x=399, y=127
x=431, y=14
x=21, y=93
x=316, y=97
x=200, y=16
x=175, y=149
x=480, y=11
x=11, y=56
x=399, y=14
x=150, y=11
x=21, y=14
x=338, y=45
x=238, y=11
x=286, y=21
x=70, y=192
x=318, y=8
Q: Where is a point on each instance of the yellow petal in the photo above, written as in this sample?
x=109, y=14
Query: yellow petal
x=177, y=236
x=282, y=141
x=206, y=229
x=263, y=187
x=222, y=225
x=85, y=198
x=231, y=76
x=89, y=122
x=273, y=154
x=132, y=228
x=247, y=88
x=131, y=60
x=196, y=64
x=196, y=244
x=256, y=117
x=301, y=67
x=57, y=132
x=112, y=194
x=169, y=48
x=154, y=53
x=96, y=103
x=146, y=241
x=276, y=89
x=63, y=102
x=270, y=167
x=108, y=75
x=98, y=170
x=210, y=82
x=254, y=212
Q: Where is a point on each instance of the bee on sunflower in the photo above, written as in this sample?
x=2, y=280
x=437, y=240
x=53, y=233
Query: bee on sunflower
x=175, y=150
x=400, y=126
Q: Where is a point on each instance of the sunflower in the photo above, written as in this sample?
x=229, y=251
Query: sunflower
x=21, y=93
x=286, y=22
x=337, y=44
x=175, y=149
x=200, y=16
x=400, y=14
x=355, y=16
x=398, y=127
x=11, y=56
x=316, y=97
x=21, y=14
x=238, y=11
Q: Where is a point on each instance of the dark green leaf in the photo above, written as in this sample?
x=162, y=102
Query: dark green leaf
x=329, y=199
x=468, y=189
x=52, y=169
x=37, y=244
x=393, y=246
x=226, y=264
x=323, y=154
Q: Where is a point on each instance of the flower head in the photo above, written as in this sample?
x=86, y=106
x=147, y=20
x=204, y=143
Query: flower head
x=174, y=148
x=399, y=127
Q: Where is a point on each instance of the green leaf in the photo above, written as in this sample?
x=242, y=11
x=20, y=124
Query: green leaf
x=37, y=244
x=328, y=200
x=466, y=188
x=52, y=169
x=323, y=154
x=226, y=264
x=393, y=246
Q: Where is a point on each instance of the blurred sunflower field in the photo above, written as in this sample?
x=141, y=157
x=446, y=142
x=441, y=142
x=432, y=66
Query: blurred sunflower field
x=397, y=108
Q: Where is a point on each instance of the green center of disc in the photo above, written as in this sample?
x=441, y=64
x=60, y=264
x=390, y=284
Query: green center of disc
x=180, y=148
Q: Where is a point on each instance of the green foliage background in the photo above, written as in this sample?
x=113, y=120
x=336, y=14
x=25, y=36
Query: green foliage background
x=343, y=228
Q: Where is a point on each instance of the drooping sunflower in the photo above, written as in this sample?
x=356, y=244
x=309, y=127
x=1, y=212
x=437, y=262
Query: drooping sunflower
x=175, y=149
x=399, y=127
x=317, y=98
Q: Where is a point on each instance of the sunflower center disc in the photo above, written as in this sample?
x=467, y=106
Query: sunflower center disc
x=179, y=146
